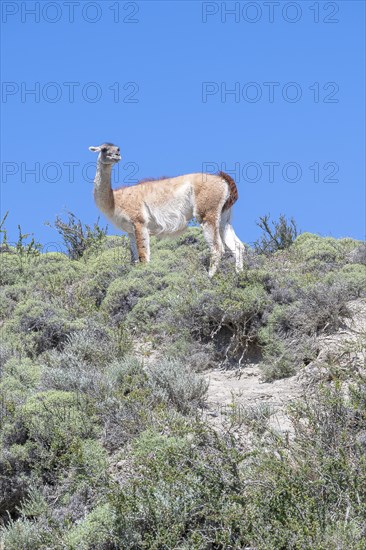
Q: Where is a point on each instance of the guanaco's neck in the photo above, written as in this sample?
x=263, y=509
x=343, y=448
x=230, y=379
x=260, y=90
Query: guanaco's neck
x=103, y=194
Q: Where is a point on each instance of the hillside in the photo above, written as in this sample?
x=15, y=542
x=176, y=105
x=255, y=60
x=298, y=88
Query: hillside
x=150, y=407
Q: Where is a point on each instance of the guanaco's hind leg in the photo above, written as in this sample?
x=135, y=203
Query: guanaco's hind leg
x=231, y=241
x=211, y=233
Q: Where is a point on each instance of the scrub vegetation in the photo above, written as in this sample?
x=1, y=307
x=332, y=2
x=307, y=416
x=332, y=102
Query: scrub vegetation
x=104, y=443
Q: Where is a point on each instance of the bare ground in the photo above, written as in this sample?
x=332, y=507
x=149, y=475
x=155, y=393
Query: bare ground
x=231, y=391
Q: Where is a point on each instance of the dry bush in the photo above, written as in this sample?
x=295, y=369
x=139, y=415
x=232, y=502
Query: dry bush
x=177, y=384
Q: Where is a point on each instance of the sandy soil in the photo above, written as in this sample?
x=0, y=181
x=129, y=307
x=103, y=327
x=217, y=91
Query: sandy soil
x=246, y=390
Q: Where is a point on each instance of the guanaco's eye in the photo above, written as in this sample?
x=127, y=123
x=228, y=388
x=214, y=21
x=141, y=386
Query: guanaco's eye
x=104, y=149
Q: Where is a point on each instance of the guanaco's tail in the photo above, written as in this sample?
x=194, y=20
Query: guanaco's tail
x=234, y=195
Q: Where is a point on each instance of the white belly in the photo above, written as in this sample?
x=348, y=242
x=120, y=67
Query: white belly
x=173, y=215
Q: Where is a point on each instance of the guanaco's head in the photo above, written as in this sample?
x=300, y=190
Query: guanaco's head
x=108, y=153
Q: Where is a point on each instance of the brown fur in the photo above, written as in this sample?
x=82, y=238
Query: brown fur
x=140, y=241
x=234, y=195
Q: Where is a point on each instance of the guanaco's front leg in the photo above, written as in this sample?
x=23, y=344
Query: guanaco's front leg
x=142, y=242
x=133, y=248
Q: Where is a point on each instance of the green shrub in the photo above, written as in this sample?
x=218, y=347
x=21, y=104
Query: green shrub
x=49, y=414
x=153, y=444
x=80, y=365
x=10, y=296
x=37, y=326
x=5, y=354
x=230, y=317
x=309, y=246
x=183, y=493
x=102, y=269
x=177, y=384
x=279, y=361
x=298, y=491
x=22, y=370
x=20, y=379
x=16, y=259
x=288, y=338
x=195, y=490
x=319, y=309
x=127, y=374
x=10, y=269
x=352, y=278
x=89, y=461
x=27, y=535
x=14, y=483
x=358, y=255
x=52, y=272
x=130, y=406
x=53, y=422
x=56, y=278
x=34, y=505
x=97, y=530
x=124, y=294
x=102, y=440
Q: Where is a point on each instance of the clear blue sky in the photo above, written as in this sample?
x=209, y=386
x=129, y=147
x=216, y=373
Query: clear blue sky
x=177, y=62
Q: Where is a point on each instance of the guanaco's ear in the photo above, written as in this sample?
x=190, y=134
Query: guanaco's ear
x=94, y=149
